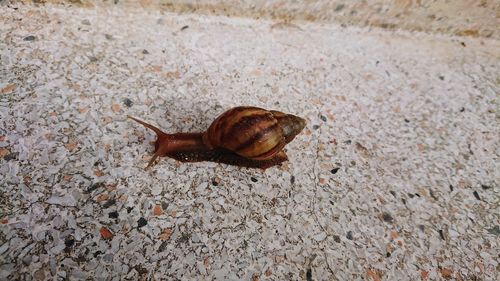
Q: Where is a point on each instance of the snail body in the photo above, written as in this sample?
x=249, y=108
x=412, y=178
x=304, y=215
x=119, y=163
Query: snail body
x=244, y=136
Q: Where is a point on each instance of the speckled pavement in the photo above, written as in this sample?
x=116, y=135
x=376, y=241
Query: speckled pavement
x=396, y=176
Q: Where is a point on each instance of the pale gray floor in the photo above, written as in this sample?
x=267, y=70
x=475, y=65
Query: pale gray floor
x=396, y=176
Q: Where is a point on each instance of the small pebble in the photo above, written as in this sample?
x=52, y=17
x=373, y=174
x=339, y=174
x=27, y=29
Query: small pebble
x=476, y=195
x=69, y=242
x=164, y=205
x=349, y=235
x=323, y=118
x=11, y=156
x=431, y=193
x=387, y=217
x=105, y=233
x=184, y=27
x=109, y=203
x=334, y=170
x=315, y=127
x=253, y=179
x=441, y=234
x=29, y=38
x=141, y=270
x=128, y=102
x=309, y=275
x=485, y=187
x=215, y=181
x=145, y=52
x=185, y=238
x=113, y=215
x=141, y=222
x=95, y=186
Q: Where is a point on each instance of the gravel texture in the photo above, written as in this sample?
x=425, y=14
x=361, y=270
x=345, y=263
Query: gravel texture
x=396, y=176
x=458, y=17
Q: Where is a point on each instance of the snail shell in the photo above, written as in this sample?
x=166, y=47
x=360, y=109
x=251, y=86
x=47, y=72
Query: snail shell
x=252, y=132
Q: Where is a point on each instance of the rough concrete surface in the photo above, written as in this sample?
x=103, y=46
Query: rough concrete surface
x=396, y=176
x=458, y=17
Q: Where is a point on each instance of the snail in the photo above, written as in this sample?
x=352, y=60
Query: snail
x=244, y=136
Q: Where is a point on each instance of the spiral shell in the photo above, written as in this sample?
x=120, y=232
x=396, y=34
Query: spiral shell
x=253, y=132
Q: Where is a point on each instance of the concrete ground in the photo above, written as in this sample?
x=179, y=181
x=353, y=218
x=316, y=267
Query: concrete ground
x=396, y=176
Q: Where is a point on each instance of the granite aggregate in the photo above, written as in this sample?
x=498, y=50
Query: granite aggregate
x=396, y=176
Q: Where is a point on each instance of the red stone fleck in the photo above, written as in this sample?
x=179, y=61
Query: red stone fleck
x=105, y=233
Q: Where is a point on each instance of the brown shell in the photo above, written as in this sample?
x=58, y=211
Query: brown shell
x=250, y=132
